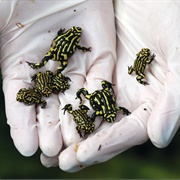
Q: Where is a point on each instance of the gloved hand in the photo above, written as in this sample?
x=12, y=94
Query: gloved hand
x=154, y=107
x=27, y=29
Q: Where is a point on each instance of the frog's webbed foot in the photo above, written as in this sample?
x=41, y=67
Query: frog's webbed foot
x=44, y=103
x=34, y=77
x=152, y=58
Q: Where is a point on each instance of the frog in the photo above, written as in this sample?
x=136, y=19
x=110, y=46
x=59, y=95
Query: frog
x=103, y=102
x=43, y=82
x=60, y=83
x=62, y=48
x=81, y=118
x=143, y=58
x=30, y=96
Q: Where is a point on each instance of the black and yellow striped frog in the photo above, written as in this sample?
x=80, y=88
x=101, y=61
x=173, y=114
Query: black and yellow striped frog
x=62, y=48
x=81, y=118
x=143, y=58
x=103, y=102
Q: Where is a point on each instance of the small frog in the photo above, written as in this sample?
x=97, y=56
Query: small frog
x=62, y=48
x=143, y=58
x=81, y=118
x=43, y=82
x=30, y=96
x=60, y=83
x=103, y=102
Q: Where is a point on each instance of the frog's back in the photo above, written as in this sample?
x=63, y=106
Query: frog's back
x=80, y=117
x=139, y=63
x=63, y=46
x=102, y=100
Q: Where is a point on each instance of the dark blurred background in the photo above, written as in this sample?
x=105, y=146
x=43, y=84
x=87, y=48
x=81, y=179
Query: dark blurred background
x=140, y=162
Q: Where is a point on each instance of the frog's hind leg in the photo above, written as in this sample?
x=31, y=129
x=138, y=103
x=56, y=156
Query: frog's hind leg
x=79, y=131
x=139, y=79
x=82, y=48
x=124, y=110
x=62, y=66
x=44, y=103
x=40, y=64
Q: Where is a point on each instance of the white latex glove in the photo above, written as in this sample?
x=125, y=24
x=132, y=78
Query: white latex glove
x=156, y=107
x=27, y=29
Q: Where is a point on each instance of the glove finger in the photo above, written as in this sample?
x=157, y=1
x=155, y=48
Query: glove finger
x=164, y=120
x=109, y=142
x=89, y=66
x=21, y=119
x=48, y=125
x=49, y=161
x=69, y=155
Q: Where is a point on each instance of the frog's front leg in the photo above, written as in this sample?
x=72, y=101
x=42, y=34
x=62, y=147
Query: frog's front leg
x=130, y=69
x=139, y=79
x=151, y=59
x=84, y=108
x=79, y=92
x=95, y=114
x=33, y=78
x=60, y=32
x=84, y=49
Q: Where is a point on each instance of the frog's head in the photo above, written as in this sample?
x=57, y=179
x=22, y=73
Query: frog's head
x=145, y=51
x=21, y=95
x=76, y=30
x=110, y=117
x=107, y=85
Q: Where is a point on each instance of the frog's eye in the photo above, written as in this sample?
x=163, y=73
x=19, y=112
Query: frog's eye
x=77, y=29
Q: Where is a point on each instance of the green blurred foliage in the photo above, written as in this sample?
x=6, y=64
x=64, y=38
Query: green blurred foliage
x=140, y=162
